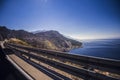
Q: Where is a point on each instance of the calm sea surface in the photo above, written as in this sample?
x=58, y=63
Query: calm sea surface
x=105, y=48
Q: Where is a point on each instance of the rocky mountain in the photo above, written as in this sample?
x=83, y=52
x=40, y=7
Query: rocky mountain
x=48, y=39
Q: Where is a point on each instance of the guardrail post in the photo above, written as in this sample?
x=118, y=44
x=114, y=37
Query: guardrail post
x=29, y=56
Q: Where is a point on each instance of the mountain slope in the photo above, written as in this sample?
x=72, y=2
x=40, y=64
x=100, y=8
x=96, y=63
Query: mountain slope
x=48, y=39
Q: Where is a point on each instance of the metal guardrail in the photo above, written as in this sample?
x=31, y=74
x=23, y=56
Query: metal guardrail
x=97, y=63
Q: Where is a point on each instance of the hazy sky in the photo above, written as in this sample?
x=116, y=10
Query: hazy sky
x=81, y=19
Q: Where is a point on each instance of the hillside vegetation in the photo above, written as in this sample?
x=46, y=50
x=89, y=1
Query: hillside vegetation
x=18, y=41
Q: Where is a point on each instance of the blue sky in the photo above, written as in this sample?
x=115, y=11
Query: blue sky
x=80, y=19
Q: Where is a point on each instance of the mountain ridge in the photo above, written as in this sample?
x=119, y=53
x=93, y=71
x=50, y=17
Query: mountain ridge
x=51, y=39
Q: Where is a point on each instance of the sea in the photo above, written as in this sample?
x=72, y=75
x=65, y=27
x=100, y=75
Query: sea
x=103, y=48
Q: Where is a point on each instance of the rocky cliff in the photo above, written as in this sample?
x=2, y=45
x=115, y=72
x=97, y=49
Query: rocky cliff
x=48, y=39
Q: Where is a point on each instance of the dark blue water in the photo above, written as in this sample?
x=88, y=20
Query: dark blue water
x=107, y=48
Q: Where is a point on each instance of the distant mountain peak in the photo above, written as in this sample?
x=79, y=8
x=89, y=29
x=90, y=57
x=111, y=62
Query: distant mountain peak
x=38, y=31
x=41, y=31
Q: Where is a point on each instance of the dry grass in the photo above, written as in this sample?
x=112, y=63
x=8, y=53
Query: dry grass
x=18, y=41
